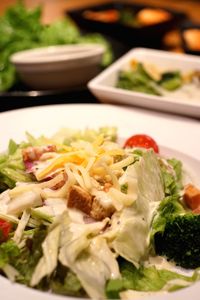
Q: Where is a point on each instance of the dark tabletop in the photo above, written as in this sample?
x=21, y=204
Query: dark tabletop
x=19, y=99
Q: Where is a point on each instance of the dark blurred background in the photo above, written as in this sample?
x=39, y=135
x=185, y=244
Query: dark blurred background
x=54, y=9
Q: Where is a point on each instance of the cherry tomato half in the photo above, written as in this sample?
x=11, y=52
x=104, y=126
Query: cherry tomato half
x=141, y=140
x=5, y=228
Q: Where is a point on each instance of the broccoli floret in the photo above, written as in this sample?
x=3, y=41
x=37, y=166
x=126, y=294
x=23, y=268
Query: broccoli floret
x=180, y=240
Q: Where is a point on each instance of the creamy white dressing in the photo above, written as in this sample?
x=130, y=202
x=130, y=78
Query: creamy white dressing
x=76, y=216
x=103, y=199
x=132, y=294
x=58, y=205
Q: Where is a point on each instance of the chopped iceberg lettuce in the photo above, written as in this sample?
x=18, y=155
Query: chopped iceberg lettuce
x=95, y=266
x=26, y=200
x=48, y=261
x=90, y=259
x=132, y=239
x=21, y=226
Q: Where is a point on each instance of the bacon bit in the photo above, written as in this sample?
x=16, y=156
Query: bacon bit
x=192, y=197
x=32, y=154
x=29, y=166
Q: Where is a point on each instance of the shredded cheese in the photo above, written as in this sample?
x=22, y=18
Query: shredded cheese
x=74, y=157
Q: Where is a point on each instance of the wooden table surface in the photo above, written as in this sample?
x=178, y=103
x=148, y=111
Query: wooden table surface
x=54, y=9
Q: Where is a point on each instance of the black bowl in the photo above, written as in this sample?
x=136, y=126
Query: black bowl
x=144, y=36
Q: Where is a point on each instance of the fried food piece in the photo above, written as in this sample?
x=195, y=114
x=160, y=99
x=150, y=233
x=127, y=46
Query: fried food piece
x=151, y=16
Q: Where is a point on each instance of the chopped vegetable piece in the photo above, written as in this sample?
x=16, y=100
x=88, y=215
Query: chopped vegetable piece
x=5, y=228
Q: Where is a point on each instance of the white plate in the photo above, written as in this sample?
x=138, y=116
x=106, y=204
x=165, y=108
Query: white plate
x=179, y=137
x=103, y=86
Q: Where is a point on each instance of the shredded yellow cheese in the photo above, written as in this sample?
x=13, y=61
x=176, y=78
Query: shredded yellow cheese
x=73, y=157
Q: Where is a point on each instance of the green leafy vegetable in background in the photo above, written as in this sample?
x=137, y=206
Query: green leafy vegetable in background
x=153, y=82
x=21, y=29
x=171, y=80
x=137, y=80
x=128, y=17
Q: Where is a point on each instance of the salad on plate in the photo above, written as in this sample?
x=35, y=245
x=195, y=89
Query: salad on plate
x=149, y=78
x=84, y=214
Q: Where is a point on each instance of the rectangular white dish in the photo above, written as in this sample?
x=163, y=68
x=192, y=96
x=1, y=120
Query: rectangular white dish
x=104, y=85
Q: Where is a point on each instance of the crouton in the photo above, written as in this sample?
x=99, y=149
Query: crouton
x=100, y=212
x=192, y=196
x=80, y=199
x=90, y=205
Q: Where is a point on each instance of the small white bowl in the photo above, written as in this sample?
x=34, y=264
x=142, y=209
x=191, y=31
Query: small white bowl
x=103, y=86
x=58, y=67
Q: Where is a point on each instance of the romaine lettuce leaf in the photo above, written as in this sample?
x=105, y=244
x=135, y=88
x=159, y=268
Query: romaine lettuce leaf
x=65, y=282
x=172, y=176
x=147, y=279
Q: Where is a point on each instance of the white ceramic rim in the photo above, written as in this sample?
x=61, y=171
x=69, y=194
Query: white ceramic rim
x=168, y=131
x=53, y=54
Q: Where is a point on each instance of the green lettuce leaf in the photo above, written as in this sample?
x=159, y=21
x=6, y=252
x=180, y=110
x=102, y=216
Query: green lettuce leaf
x=171, y=81
x=65, y=282
x=172, y=179
x=48, y=262
x=25, y=259
x=132, y=238
x=12, y=167
x=147, y=279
